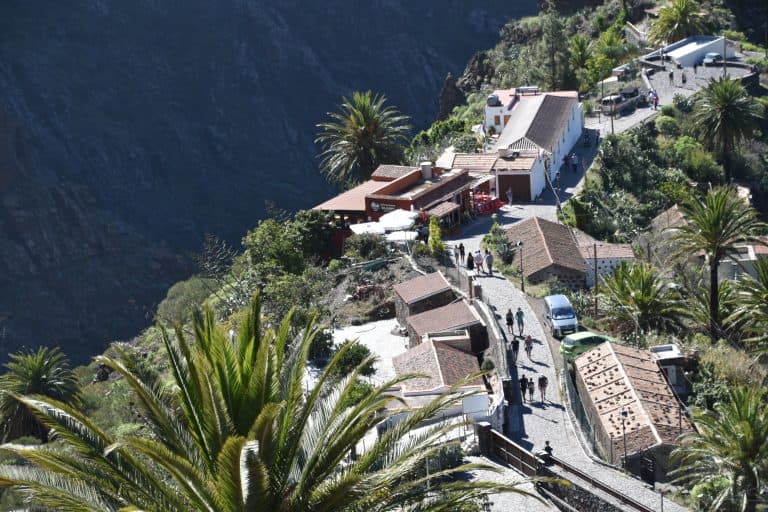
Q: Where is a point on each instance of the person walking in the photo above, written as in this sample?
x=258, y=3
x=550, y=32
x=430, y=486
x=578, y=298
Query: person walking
x=510, y=320
x=470, y=263
x=671, y=77
x=461, y=252
x=489, y=262
x=520, y=317
x=575, y=162
x=510, y=196
x=523, y=386
x=530, y=389
x=529, y=347
x=478, y=261
x=695, y=67
x=543, y=381
x=655, y=102
x=456, y=254
x=515, y=349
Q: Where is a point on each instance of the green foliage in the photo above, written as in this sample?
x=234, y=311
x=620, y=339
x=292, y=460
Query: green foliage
x=303, y=291
x=488, y=365
x=678, y=20
x=751, y=307
x=731, y=444
x=273, y=249
x=496, y=241
x=668, y=110
x=312, y=231
x=589, y=107
x=363, y=134
x=183, y=298
x=44, y=372
x=365, y=247
x=436, y=244
x=667, y=126
x=355, y=357
x=335, y=265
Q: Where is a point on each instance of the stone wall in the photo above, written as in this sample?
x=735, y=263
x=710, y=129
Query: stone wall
x=573, y=279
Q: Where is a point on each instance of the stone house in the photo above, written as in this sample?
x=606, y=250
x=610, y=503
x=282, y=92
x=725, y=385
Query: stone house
x=603, y=258
x=421, y=294
x=458, y=315
x=633, y=411
x=442, y=365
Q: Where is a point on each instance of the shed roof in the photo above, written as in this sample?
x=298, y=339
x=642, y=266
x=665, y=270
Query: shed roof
x=616, y=377
x=443, y=209
x=388, y=172
x=538, y=121
x=545, y=243
x=442, y=364
x=446, y=318
x=419, y=288
x=353, y=200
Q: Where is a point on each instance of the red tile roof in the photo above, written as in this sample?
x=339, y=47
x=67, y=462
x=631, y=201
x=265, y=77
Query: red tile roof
x=545, y=243
x=422, y=287
x=607, y=251
x=353, y=200
x=391, y=172
x=443, y=209
x=442, y=365
x=453, y=316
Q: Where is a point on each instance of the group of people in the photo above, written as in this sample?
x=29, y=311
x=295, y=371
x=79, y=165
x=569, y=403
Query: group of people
x=653, y=99
x=527, y=387
x=572, y=161
x=483, y=262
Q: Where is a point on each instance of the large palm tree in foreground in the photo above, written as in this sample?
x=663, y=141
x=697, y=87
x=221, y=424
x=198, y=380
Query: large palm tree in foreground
x=237, y=429
x=714, y=226
x=724, y=115
x=678, y=20
x=44, y=372
x=729, y=453
x=362, y=135
x=638, y=298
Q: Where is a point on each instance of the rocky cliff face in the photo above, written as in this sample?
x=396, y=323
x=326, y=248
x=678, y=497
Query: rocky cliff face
x=130, y=129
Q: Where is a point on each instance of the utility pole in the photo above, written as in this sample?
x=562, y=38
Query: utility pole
x=522, y=276
x=725, y=56
x=594, y=267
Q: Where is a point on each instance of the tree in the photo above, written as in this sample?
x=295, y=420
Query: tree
x=552, y=51
x=637, y=298
x=354, y=356
x=45, y=372
x=239, y=429
x=724, y=115
x=436, y=244
x=678, y=20
x=729, y=453
x=714, y=226
x=360, y=137
x=578, y=58
x=751, y=307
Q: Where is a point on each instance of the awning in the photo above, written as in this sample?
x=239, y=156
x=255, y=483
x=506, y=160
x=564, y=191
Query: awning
x=443, y=209
x=480, y=179
x=398, y=220
x=370, y=228
x=401, y=236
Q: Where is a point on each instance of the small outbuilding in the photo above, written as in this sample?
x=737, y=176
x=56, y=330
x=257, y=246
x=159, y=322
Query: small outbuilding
x=421, y=294
x=452, y=317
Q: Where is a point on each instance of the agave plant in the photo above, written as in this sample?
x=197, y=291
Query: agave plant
x=235, y=430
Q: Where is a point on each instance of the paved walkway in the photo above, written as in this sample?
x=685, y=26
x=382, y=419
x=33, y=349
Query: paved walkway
x=534, y=423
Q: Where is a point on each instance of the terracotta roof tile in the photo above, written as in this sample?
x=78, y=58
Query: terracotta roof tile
x=545, y=243
x=453, y=316
x=391, y=172
x=353, y=200
x=482, y=162
x=443, y=366
x=607, y=251
x=422, y=287
x=443, y=209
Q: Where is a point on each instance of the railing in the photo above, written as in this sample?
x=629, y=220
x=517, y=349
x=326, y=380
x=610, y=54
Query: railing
x=514, y=454
x=623, y=498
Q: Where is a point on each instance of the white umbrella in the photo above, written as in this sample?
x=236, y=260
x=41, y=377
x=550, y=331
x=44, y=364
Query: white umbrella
x=398, y=220
x=367, y=228
x=401, y=236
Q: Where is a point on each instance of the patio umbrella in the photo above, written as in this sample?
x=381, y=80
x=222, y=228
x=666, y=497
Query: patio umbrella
x=401, y=236
x=367, y=228
x=398, y=220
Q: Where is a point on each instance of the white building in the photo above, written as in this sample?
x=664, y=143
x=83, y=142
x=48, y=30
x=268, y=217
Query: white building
x=498, y=108
x=691, y=50
x=606, y=257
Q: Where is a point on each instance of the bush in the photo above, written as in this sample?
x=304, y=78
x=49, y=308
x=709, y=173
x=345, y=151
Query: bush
x=365, y=247
x=667, y=126
x=668, y=110
x=183, y=298
x=335, y=265
x=488, y=365
x=589, y=107
x=352, y=358
x=436, y=245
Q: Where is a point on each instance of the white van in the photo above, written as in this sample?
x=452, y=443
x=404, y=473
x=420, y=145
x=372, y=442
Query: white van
x=561, y=318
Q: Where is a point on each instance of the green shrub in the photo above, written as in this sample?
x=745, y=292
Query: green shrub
x=183, y=298
x=335, y=265
x=353, y=357
x=436, y=244
x=488, y=365
x=701, y=167
x=682, y=103
x=365, y=247
x=589, y=107
x=668, y=110
x=667, y=126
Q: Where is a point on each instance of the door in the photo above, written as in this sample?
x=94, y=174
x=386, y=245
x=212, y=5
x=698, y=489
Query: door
x=520, y=185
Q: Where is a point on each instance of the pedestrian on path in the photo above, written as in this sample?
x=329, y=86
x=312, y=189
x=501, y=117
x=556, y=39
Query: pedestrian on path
x=510, y=196
x=529, y=347
x=655, y=102
x=543, y=381
x=489, y=262
x=456, y=253
x=520, y=316
x=671, y=77
x=597, y=138
x=470, y=263
x=530, y=389
x=523, y=386
x=461, y=252
x=478, y=261
x=510, y=320
x=683, y=77
x=575, y=162
x=695, y=67
x=515, y=349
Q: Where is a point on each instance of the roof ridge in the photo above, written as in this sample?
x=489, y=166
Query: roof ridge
x=637, y=398
x=437, y=362
x=544, y=238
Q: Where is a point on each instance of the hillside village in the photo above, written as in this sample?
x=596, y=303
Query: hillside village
x=523, y=292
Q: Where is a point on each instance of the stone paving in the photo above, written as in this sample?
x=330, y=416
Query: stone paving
x=533, y=423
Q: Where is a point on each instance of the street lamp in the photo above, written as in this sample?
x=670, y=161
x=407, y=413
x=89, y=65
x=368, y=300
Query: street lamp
x=623, y=413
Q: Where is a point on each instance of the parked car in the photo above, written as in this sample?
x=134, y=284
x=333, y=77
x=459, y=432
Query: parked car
x=579, y=342
x=560, y=316
x=712, y=58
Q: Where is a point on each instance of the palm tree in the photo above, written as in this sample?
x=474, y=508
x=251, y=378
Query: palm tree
x=360, y=137
x=637, y=298
x=240, y=430
x=678, y=20
x=727, y=302
x=714, y=227
x=724, y=115
x=730, y=447
x=578, y=55
x=45, y=372
x=751, y=307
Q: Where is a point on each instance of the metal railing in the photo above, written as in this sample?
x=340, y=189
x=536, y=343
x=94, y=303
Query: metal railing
x=513, y=454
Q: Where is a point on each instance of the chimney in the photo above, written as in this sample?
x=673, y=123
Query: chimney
x=426, y=170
